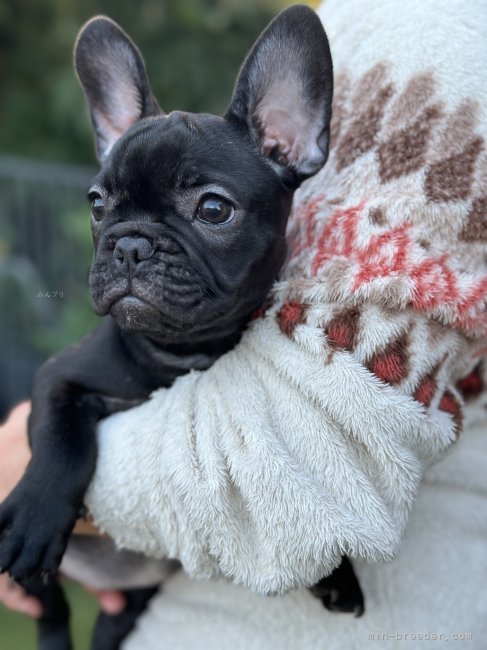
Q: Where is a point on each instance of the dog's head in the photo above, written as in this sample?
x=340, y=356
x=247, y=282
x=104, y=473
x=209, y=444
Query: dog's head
x=189, y=210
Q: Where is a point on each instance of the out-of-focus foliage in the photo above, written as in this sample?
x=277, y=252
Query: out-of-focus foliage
x=193, y=49
x=75, y=316
x=45, y=253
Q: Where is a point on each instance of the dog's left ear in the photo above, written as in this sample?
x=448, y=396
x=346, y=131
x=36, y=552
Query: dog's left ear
x=284, y=92
x=112, y=73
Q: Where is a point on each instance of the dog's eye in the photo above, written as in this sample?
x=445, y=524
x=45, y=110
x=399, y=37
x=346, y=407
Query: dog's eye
x=97, y=205
x=214, y=209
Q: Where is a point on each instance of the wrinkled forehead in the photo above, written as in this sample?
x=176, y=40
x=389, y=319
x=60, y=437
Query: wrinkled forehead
x=179, y=150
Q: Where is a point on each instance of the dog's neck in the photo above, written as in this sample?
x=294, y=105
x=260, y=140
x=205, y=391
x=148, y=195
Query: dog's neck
x=198, y=351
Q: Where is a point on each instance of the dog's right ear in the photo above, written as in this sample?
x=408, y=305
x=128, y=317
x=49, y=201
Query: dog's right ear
x=284, y=93
x=112, y=73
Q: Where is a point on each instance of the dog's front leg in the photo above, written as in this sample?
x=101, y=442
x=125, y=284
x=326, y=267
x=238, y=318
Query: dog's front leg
x=73, y=390
x=38, y=516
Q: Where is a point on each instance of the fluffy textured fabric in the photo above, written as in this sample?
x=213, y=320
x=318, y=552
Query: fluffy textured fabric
x=310, y=439
x=436, y=586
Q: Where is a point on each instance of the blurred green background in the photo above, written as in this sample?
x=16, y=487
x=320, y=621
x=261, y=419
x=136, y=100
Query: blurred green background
x=193, y=49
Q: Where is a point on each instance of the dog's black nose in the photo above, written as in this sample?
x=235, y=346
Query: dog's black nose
x=133, y=250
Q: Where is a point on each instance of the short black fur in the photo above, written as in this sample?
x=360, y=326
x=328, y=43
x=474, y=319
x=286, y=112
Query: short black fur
x=175, y=284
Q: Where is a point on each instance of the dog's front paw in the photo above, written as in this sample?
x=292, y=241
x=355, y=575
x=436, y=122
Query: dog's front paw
x=341, y=591
x=34, y=530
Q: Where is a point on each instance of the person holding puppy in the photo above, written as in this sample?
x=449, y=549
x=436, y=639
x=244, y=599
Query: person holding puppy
x=354, y=376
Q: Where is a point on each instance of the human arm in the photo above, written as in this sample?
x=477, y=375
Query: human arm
x=266, y=468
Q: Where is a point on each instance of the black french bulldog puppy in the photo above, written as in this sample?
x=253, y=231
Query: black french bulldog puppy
x=188, y=215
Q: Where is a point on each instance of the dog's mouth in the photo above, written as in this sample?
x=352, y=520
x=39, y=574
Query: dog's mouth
x=133, y=313
x=136, y=314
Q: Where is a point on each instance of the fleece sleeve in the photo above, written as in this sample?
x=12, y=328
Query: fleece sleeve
x=287, y=453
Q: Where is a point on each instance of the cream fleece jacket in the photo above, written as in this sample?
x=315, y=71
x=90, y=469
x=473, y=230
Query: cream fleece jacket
x=433, y=595
x=309, y=440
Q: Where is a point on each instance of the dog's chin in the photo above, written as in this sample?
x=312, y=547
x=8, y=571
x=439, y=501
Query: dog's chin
x=134, y=314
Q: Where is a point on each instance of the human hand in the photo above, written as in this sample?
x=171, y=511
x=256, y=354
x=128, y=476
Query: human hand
x=14, y=449
x=14, y=597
